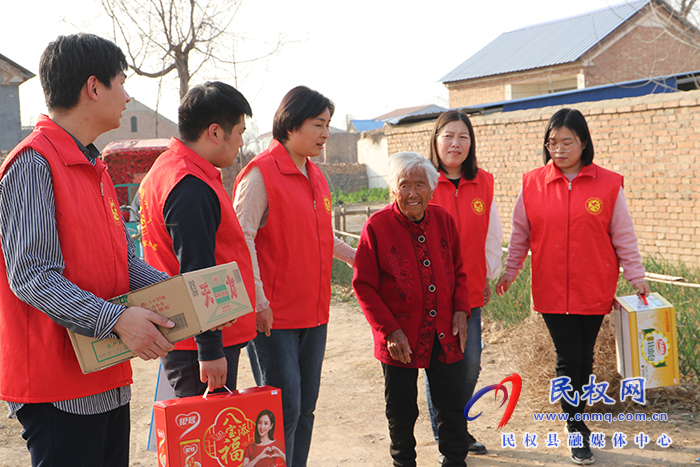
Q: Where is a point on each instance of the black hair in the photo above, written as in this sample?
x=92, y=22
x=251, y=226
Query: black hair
x=209, y=103
x=271, y=433
x=69, y=61
x=469, y=167
x=300, y=104
x=573, y=120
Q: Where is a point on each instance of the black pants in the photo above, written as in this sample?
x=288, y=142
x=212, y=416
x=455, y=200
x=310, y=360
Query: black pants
x=447, y=387
x=60, y=439
x=574, y=339
x=181, y=367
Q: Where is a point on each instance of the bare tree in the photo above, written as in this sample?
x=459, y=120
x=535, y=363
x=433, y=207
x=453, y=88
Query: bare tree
x=159, y=36
x=686, y=9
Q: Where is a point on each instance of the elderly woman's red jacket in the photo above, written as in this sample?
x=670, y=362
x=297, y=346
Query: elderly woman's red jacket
x=409, y=275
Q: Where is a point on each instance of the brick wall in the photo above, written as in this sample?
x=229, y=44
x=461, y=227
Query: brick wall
x=644, y=52
x=653, y=141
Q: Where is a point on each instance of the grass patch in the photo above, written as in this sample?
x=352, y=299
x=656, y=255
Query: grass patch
x=365, y=195
x=512, y=308
x=341, y=278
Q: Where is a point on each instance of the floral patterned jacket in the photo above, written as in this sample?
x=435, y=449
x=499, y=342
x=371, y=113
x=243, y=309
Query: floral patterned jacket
x=409, y=275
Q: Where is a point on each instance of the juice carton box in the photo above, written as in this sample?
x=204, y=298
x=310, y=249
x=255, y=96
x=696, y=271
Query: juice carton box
x=646, y=339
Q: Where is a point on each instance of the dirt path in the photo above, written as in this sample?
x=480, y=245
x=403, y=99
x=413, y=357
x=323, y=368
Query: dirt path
x=351, y=428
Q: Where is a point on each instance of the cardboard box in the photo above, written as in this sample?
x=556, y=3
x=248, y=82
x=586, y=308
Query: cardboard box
x=195, y=301
x=216, y=431
x=646, y=339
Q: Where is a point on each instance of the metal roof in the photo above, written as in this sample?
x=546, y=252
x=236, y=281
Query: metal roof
x=547, y=44
x=641, y=87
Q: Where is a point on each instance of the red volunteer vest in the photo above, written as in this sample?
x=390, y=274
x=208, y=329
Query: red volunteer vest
x=171, y=167
x=37, y=361
x=574, y=266
x=295, y=246
x=470, y=205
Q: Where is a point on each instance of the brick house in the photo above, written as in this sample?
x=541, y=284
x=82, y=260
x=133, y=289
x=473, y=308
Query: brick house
x=630, y=41
x=138, y=122
x=12, y=76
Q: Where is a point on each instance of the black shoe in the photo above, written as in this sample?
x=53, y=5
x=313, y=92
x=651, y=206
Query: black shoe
x=582, y=456
x=477, y=449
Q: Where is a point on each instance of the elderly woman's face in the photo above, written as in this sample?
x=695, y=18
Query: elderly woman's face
x=413, y=194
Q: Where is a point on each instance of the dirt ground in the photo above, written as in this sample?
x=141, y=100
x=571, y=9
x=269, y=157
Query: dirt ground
x=351, y=428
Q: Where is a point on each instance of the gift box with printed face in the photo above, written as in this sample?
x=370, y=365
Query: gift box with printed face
x=221, y=430
x=646, y=338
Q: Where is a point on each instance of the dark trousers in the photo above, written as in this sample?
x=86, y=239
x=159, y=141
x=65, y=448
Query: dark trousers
x=181, y=367
x=60, y=439
x=447, y=387
x=574, y=339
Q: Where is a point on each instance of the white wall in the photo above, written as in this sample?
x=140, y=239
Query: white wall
x=375, y=156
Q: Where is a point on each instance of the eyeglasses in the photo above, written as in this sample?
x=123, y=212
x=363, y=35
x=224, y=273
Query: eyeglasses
x=564, y=147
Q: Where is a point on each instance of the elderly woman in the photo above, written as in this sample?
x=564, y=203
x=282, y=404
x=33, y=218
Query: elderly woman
x=411, y=285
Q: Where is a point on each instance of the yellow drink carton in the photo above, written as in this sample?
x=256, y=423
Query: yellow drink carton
x=646, y=339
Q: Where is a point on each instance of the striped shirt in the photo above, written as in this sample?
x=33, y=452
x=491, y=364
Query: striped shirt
x=35, y=264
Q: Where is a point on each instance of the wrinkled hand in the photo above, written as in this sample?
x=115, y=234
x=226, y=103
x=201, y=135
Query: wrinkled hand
x=642, y=289
x=503, y=284
x=263, y=321
x=137, y=328
x=213, y=372
x=487, y=293
x=397, y=344
x=459, y=327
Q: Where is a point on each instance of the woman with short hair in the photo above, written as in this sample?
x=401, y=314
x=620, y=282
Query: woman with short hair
x=412, y=288
x=284, y=207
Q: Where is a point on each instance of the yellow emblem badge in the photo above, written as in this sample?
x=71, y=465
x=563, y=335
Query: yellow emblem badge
x=327, y=203
x=478, y=206
x=594, y=206
x=115, y=212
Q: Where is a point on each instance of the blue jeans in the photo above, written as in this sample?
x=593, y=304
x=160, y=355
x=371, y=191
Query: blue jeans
x=291, y=359
x=472, y=364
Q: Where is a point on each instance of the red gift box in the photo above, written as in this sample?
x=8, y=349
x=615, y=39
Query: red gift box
x=221, y=430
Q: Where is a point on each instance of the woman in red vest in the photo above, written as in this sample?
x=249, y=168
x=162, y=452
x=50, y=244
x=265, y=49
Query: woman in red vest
x=572, y=214
x=284, y=207
x=466, y=191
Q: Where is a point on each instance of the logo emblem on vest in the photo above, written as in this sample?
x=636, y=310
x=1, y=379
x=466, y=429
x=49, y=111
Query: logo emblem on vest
x=115, y=212
x=594, y=206
x=478, y=206
x=327, y=204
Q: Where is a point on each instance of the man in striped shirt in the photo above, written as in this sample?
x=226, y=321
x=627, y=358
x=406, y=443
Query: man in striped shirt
x=65, y=250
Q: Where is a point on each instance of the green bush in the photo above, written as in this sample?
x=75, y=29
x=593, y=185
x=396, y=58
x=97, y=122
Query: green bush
x=341, y=277
x=365, y=195
x=513, y=307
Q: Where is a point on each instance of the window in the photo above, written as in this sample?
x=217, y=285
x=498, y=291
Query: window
x=134, y=125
